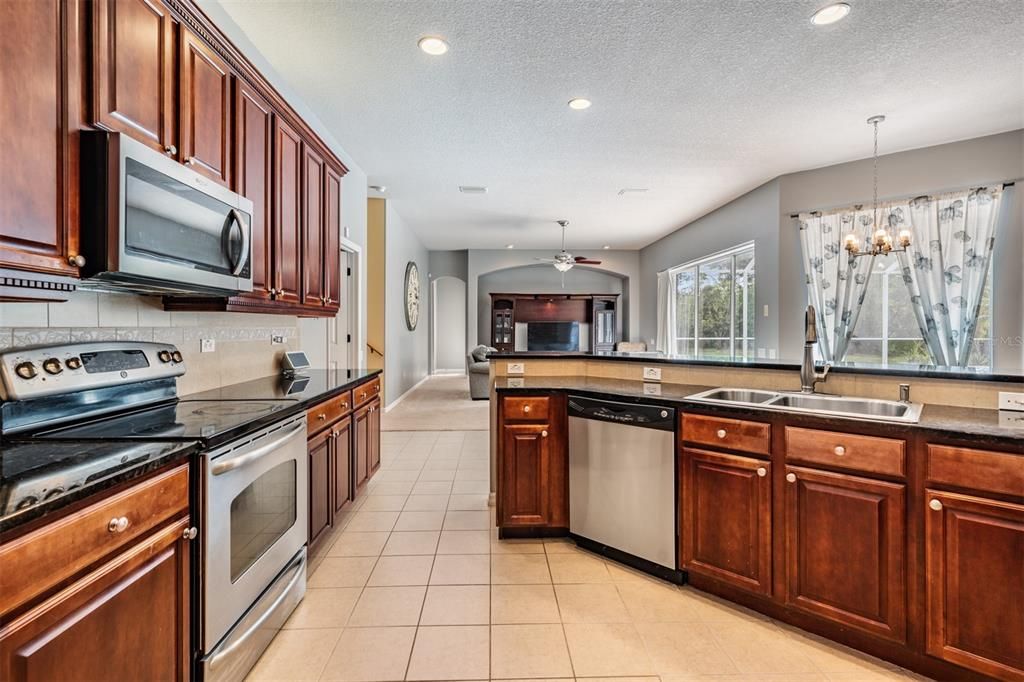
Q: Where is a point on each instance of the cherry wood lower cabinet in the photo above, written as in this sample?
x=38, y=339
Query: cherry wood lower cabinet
x=845, y=556
x=373, y=454
x=366, y=441
x=726, y=519
x=321, y=508
x=974, y=567
x=341, y=464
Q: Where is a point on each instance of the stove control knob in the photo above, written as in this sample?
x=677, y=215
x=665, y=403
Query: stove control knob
x=54, y=492
x=165, y=356
x=52, y=366
x=26, y=370
x=177, y=356
x=26, y=502
x=74, y=363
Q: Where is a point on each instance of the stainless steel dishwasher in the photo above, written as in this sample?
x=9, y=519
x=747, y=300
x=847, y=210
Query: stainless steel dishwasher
x=622, y=482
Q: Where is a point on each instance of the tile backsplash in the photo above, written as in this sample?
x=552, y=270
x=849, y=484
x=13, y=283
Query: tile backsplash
x=243, y=340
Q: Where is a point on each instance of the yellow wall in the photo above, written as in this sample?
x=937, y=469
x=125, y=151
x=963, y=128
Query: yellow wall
x=376, y=229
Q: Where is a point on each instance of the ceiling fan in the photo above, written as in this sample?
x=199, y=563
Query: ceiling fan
x=564, y=261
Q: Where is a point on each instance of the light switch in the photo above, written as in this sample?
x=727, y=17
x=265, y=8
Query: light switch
x=1011, y=401
x=207, y=345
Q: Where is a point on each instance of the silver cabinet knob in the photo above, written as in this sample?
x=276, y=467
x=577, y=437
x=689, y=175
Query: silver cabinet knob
x=762, y=472
x=118, y=524
x=935, y=505
x=76, y=260
x=791, y=478
x=190, y=161
x=664, y=413
x=526, y=408
x=721, y=433
x=544, y=433
x=170, y=150
x=839, y=450
x=190, y=533
x=321, y=417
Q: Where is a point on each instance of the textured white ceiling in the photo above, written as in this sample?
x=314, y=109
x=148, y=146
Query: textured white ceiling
x=697, y=100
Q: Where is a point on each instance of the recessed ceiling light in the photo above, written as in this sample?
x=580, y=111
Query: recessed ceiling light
x=510, y=246
x=579, y=103
x=433, y=45
x=830, y=14
x=606, y=247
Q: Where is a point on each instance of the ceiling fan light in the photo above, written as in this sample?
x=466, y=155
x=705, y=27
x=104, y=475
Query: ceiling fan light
x=564, y=266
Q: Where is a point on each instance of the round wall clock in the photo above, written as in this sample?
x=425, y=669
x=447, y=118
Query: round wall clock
x=412, y=295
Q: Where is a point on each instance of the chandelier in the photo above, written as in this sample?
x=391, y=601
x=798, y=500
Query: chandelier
x=881, y=241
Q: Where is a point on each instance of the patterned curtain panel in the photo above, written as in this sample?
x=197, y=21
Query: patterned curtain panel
x=947, y=265
x=836, y=281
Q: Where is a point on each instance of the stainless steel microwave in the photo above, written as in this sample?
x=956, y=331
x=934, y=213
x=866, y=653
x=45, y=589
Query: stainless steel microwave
x=151, y=225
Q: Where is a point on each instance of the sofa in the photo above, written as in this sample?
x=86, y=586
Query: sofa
x=479, y=371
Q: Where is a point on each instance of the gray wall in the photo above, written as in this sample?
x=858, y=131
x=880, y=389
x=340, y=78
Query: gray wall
x=540, y=279
x=406, y=353
x=449, y=264
x=752, y=217
x=448, y=316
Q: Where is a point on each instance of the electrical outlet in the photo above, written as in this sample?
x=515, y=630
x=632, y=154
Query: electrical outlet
x=771, y=353
x=207, y=345
x=277, y=339
x=652, y=389
x=652, y=373
x=766, y=310
x=1011, y=401
x=517, y=382
x=516, y=368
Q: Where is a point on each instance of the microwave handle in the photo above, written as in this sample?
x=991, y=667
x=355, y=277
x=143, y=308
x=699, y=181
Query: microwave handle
x=235, y=218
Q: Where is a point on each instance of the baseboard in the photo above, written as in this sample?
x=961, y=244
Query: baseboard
x=449, y=372
x=400, y=398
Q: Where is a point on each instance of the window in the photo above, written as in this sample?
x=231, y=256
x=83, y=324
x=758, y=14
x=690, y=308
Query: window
x=713, y=306
x=887, y=332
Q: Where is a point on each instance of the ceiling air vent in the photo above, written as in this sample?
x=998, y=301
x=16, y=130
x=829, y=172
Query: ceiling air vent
x=472, y=189
x=631, y=190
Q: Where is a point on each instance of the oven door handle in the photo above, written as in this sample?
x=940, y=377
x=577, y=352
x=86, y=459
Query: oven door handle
x=297, y=566
x=235, y=218
x=263, y=450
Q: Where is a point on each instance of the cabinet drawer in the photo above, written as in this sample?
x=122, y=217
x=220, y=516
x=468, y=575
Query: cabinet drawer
x=735, y=434
x=328, y=412
x=40, y=560
x=527, y=408
x=995, y=472
x=366, y=392
x=847, y=450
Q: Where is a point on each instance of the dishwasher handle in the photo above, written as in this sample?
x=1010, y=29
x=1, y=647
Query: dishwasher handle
x=627, y=414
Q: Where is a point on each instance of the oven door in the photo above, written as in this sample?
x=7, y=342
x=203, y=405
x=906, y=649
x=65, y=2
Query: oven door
x=255, y=499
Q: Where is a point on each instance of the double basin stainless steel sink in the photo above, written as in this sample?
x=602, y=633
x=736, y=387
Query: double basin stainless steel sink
x=814, y=403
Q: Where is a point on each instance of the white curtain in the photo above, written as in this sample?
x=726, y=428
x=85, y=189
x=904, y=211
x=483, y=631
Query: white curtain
x=836, y=280
x=663, y=339
x=947, y=265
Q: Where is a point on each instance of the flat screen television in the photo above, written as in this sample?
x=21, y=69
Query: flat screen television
x=553, y=336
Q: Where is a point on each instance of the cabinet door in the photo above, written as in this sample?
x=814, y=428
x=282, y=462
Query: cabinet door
x=726, y=526
x=134, y=70
x=332, y=235
x=525, y=494
x=974, y=563
x=35, y=233
x=288, y=211
x=319, y=485
x=845, y=550
x=254, y=134
x=205, y=113
x=341, y=464
x=374, y=437
x=361, y=445
x=127, y=620
x=312, y=227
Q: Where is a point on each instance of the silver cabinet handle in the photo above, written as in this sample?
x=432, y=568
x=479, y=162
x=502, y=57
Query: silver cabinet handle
x=721, y=433
x=190, y=533
x=544, y=433
x=791, y=478
x=762, y=472
x=241, y=460
x=935, y=505
x=839, y=450
x=77, y=260
x=118, y=524
x=170, y=150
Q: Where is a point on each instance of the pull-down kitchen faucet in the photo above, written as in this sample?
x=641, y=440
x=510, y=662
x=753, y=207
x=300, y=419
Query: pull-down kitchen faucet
x=808, y=376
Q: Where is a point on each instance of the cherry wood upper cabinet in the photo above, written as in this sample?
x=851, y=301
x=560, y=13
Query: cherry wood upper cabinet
x=726, y=526
x=288, y=212
x=845, y=556
x=254, y=138
x=974, y=567
x=204, y=83
x=332, y=235
x=134, y=70
x=35, y=185
x=312, y=227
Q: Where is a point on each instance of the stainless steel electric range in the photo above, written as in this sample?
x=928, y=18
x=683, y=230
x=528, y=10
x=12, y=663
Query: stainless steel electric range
x=115, y=402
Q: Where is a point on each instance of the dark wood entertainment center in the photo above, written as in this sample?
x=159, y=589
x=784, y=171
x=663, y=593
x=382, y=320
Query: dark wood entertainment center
x=600, y=311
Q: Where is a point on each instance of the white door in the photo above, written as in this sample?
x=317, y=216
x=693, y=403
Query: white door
x=341, y=328
x=448, y=317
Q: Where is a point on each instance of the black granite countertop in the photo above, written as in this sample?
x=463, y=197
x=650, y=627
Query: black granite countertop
x=80, y=470
x=921, y=371
x=981, y=425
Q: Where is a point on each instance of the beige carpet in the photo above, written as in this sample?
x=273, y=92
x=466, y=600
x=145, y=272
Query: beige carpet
x=441, y=403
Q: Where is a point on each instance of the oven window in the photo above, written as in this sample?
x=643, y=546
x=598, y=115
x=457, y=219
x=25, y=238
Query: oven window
x=260, y=515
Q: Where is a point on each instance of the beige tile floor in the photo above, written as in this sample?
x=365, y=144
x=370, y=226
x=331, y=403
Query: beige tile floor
x=415, y=585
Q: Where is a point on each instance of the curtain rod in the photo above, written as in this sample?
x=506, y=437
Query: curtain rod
x=797, y=215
